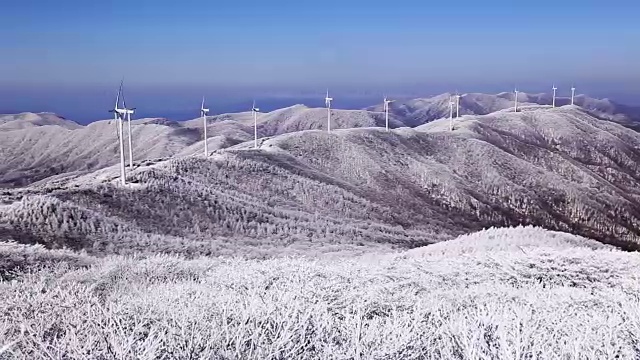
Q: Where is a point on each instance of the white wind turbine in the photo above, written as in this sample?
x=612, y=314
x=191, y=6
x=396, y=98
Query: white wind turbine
x=457, y=105
x=128, y=113
x=450, y=113
x=327, y=102
x=255, y=111
x=386, y=111
x=203, y=112
x=573, y=93
x=515, y=109
x=553, y=102
x=118, y=115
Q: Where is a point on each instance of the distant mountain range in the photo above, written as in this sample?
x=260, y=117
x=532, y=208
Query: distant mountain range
x=564, y=169
x=419, y=111
x=37, y=146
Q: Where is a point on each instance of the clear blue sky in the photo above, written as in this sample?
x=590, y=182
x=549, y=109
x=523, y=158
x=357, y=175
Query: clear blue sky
x=302, y=45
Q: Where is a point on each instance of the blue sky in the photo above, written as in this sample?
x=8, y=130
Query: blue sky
x=242, y=46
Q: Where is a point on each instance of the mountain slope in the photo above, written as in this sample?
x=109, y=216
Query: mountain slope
x=27, y=120
x=560, y=168
x=34, y=153
x=300, y=117
x=416, y=112
x=499, y=294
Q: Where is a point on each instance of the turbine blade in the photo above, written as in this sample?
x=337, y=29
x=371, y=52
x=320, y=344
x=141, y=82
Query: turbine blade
x=124, y=102
x=120, y=92
x=202, y=106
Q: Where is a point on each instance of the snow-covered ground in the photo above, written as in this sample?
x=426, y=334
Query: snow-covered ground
x=36, y=146
x=562, y=169
x=522, y=293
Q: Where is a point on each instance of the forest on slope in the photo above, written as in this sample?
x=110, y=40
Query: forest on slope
x=562, y=169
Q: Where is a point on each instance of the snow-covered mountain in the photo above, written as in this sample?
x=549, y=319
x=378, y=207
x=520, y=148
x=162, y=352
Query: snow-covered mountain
x=37, y=146
x=562, y=169
x=300, y=117
x=30, y=120
x=419, y=111
x=33, y=152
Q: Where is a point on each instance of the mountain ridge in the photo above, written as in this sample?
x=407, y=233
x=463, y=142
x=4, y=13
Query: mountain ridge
x=37, y=146
x=561, y=169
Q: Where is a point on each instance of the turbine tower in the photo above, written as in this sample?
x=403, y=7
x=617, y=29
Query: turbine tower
x=327, y=102
x=118, y=115
x=128, y=113
x=457, y=105
x=450, y=113
x=203, y=112
x=255, y=111
x=553, y=102
x=386, y=111
x=515, y=109
x=573, y=93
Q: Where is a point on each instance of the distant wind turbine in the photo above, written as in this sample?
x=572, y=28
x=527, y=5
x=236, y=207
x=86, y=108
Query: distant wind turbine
x=118, y=115
x=457, y=105
x=203, y=112
x=327, y=102
x=553, y=102
x=386, y=111
x=128, y=113
x=255, y=111
x=450, y=113
x=573, y=93
x=515, y=109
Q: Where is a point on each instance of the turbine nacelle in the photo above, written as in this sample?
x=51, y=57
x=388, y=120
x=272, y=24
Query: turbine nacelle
x=118, y=112
x=386, y=103
x=203, y=110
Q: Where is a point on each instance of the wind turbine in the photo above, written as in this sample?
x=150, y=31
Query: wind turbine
x=255, y=111
x=128, y=113
x=553, y=102
x=515, y=109
x=327, y=102
x=450, y=113
x=203, y=112
x=118, y=115
x=573, y=93
x=386, y=111
x=457, y=105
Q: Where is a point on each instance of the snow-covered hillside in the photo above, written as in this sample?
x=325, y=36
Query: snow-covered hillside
x=37, y=146
x=32, y=153
x=30, y=120
x=300, y=117
x=420, y=111
x=558, y=168
x=507, y=294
